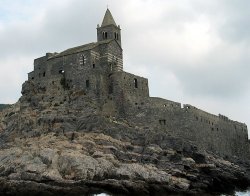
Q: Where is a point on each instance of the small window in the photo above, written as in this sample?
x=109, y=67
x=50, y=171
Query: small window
x=44, y=73
x=165, y=105
x=32, y=78
x=135, y=83
x=87, y=84
x=93, y=66
x=162, y=122
x=82, y=60
x=61, y=71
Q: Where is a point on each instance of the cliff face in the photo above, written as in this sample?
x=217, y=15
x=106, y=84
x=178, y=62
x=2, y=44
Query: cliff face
x=55, y=141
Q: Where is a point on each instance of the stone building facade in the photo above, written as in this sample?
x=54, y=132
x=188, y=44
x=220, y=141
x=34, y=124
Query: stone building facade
x=97, y=70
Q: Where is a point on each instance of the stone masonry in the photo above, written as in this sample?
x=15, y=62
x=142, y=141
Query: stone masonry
x=96, y=70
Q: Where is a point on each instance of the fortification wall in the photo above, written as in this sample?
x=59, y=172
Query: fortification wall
x=214, y=133
x=217, y=134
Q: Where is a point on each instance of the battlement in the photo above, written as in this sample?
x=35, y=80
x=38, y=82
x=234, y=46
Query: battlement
x=213, y=120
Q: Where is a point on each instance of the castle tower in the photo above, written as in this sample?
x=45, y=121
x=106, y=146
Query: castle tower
x=108, y=29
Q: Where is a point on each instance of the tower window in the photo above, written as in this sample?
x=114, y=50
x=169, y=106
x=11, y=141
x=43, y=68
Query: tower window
x=135, y=83
x=104, y=35
x=116, y=35
x=93, y=65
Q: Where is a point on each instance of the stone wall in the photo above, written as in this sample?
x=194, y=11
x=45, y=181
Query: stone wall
x=213, y=133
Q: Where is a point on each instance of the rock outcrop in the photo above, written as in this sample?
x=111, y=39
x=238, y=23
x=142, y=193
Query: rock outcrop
x=58, y=142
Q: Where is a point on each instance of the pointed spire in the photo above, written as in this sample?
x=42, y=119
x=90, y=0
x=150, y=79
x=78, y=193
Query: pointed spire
x=108, y=19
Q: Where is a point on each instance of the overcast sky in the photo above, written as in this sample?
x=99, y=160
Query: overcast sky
x=192, y=51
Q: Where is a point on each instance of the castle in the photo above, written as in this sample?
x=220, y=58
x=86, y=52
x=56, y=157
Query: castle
x=97, y=70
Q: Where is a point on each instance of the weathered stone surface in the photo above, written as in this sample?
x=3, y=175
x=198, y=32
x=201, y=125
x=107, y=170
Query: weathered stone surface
x=89, y=127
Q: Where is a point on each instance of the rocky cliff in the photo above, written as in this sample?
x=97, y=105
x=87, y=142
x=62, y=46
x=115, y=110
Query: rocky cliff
x=3, y=106
x=55, y=141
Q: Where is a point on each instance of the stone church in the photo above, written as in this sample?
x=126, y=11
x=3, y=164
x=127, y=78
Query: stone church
x=96, y=70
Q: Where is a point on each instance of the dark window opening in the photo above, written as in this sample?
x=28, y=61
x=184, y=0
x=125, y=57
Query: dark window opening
x=61, y=71
x=197, y=118
x=162, y=122
x=136, y=83
x=93, y=66
x=104, y=35
x=110, y=89
x=44, y=74
x=116, y=36
x=212, y=128
x=32, y=78
x=87, y=84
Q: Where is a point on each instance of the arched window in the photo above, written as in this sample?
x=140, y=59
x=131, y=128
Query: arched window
x=104, y=35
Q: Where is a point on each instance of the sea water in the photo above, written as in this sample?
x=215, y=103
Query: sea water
x=246, y=193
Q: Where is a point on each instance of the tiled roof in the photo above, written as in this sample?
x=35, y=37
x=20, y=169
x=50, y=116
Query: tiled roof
x=80, y=48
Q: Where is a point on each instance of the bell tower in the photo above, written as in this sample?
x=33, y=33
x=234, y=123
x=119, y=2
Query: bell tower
x=108, y=29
